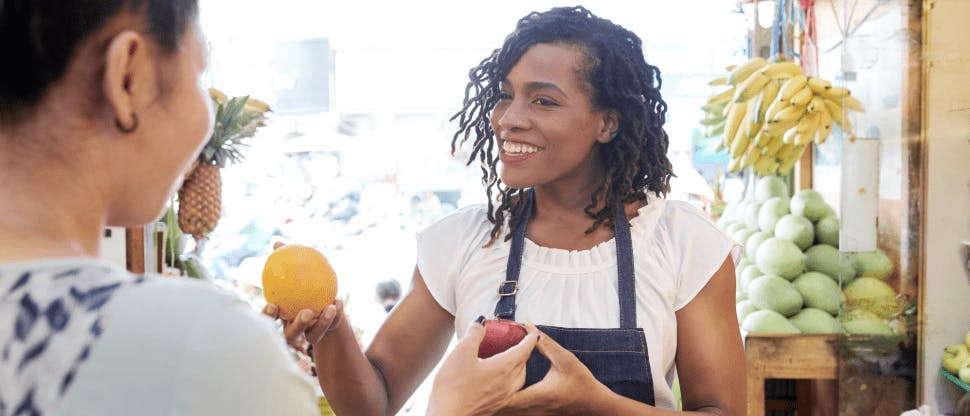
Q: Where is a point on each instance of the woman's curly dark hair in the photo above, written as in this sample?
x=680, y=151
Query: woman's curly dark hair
x=620, y=80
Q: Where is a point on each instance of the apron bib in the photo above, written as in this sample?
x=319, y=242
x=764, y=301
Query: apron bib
x=617, y=357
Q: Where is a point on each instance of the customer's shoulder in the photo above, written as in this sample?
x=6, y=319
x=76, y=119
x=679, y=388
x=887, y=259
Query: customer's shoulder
x=195, y=295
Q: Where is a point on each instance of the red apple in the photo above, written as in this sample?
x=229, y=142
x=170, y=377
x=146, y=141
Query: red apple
x=500, y=335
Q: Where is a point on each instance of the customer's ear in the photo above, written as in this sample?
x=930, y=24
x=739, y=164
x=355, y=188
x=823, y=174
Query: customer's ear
x=130, y=80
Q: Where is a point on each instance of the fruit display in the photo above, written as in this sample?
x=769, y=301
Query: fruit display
x=200, y=196
x=792, y=277
x=771, y=111
x=500, y=335
x=298, y=277
x=956, y=359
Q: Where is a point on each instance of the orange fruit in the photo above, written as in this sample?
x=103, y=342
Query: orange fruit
x=298, y=277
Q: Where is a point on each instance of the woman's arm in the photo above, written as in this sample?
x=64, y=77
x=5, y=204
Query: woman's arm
x=710, y=355
x=405, y=349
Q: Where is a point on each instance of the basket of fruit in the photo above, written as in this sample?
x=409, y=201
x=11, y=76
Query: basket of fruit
x=956, y=363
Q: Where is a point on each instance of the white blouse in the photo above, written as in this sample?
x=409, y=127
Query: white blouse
x=676, y=249
x=81, y=337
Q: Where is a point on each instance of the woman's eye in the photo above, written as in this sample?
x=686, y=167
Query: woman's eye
x=545, y=102
x=504, y=96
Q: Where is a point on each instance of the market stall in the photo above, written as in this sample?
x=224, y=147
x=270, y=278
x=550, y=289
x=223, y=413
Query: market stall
x=835, y=223
x=846, y=123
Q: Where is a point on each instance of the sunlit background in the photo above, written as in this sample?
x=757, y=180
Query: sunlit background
x=356, y=156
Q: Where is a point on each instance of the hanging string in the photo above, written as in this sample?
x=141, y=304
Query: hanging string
x=810, y=33
x=783, y=5
x=750, y=52
x=798, y=21
x=779, y=24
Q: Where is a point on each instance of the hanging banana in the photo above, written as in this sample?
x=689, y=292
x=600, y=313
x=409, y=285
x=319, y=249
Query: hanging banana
x=741, y=72
x=789, y=114
x=771, y=112
x=838, y=115
x=782, y=70
x=819, y=85
x=816, y=104
x=835, y=93
x=802, y=97
x=792, y=87
x=852, y=103
x=734, y=118
x=723, y=97
x=751, y=87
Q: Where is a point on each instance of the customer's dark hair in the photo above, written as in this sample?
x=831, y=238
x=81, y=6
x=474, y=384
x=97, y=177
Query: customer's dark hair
x=38, y=39
x=621, y=80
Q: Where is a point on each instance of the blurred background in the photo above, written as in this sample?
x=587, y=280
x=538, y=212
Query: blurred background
x=355, y=157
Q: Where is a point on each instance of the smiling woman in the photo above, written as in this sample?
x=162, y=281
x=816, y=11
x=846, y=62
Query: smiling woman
x=545, y=122
x=628, y=289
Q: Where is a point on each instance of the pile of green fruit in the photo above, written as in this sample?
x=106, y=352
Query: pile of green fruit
x=793, y=279
x=956, y=359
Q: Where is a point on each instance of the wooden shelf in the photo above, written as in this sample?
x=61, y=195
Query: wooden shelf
x=806, y=357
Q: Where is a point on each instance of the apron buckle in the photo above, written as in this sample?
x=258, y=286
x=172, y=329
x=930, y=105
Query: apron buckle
x=504, y=290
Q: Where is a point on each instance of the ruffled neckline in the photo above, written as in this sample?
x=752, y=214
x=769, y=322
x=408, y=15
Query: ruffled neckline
x=600, y=256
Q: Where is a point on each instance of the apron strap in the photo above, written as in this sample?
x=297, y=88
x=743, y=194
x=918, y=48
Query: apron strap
x=626, y=287
x=505, y=308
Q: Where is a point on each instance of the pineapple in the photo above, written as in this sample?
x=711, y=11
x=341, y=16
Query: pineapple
x=200, y=197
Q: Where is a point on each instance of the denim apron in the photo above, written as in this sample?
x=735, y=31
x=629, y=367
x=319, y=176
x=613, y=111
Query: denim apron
x=617, y=357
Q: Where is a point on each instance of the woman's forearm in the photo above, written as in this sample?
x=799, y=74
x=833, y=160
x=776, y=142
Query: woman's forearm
x=605, y=402
x=351, y=383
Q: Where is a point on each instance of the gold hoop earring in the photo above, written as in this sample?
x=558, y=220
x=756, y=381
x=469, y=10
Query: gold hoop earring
x=129, y=129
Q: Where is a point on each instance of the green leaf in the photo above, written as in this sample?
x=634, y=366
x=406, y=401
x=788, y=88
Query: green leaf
x=233, y=124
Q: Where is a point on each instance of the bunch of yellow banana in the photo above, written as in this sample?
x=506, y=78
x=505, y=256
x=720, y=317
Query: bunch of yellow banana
x=772, y=112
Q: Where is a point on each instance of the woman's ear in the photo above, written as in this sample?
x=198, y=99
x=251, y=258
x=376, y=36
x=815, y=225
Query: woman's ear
x=129, y=78
x=611, y=125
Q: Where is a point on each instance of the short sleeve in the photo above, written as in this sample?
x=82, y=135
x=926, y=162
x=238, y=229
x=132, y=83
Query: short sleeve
x=444, y=248
x=174, y=347
x=243, y=368
x=699, y=248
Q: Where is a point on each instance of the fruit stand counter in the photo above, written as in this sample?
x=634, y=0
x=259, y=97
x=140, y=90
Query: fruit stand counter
x=786, y=357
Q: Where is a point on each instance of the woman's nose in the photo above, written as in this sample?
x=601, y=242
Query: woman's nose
x=513, y=117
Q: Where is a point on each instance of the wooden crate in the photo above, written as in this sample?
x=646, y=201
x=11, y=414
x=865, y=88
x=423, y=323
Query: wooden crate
x=800, y=357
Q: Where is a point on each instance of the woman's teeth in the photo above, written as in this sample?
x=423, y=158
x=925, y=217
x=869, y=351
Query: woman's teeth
x=511, y=147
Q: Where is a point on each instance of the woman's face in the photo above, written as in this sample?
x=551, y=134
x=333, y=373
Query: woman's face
x=545, y=122
x=173, y=131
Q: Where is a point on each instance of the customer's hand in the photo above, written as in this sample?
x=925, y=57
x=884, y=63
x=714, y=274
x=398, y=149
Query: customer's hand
x=564, y=388
x=307, y=326
x=467, y=385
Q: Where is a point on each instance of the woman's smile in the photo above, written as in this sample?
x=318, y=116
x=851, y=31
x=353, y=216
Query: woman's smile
x=512, y=152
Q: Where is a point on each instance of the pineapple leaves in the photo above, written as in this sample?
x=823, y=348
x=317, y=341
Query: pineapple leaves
x=234, y=122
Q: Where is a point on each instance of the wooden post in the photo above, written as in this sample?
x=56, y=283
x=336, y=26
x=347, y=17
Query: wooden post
x=135, y=250
x=803, y=171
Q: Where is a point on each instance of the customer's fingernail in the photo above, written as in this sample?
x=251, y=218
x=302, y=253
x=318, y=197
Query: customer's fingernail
x=480, y=320
x=329, y=312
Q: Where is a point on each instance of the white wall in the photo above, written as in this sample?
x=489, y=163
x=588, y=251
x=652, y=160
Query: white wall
x=947, y=222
